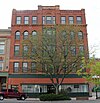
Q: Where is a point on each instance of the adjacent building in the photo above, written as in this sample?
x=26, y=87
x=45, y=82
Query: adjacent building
x=26, y=22
x=4, y=56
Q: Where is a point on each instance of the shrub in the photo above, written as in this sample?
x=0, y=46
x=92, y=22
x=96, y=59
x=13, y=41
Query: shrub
x=53, y=97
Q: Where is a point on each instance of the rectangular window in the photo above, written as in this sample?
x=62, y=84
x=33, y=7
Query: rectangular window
x=63, y=20
x=81, y=48
x=73, y=50
x=72, y=35
x=26, y=20
x=16, y=50
x=16, y=67
x=54, y=20
x=48, y=20
x=76, y=86
x=33, y=50
x=25, y=50
x=34, y=20
x=80, y=35
x=1, y=66
x=24, y=67
x=79, y=19
x=31, y=88
x=33, y=67
x=2, y=47
x=43, y=20
x=71, y=20
x=18, y=20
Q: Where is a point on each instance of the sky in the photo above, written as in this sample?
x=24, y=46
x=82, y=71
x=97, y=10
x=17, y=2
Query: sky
x=92, y=10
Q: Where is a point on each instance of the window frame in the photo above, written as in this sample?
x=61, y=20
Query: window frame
x=18, y=21
x=17, y=35
x=24, y=35
x=80, y=37
x=18, y=50
x=33, y=68
x=72, y=35
x=73, y=50
x=51, y=21
x=79, y=21
x=71, y=19
x=24, y=69
x=1, y=65
x=16, y=68
x=26, y=20
x=34, y=21
x=63, y=21
x=34, y=31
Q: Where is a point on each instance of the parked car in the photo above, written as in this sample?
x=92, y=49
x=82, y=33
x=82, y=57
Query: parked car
x=10, y=93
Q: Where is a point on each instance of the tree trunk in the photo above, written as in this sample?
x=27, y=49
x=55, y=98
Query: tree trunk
x=57, y=89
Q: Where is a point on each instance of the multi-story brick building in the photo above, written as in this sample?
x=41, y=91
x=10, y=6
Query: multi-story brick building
x=4, y=56
x=26, y=22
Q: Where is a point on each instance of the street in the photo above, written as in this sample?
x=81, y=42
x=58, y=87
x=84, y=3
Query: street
x=37, y=101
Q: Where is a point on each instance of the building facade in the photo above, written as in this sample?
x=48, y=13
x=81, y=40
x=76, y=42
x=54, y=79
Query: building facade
x=26, y=22
x=4, y=56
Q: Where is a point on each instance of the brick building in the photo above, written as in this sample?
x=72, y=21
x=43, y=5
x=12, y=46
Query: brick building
x=26, y=22
x=4, y=56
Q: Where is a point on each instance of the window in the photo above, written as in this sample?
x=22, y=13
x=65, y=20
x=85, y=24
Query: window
x=32, y=88
x=34, y=20
x=49, y=32
x=43, y=20
x=24, y=66
x=2, y=47
x=81, y=48
x=34, y=33
x=16, y=67
x=79, y=19
x=49, y=35
x=17, y=35
x=25, y=50
x=72, y=35
x=18, y=20
x=48, y=20
x=71, y=20
x=73, y=50
x=33, y=50
x=63, y=20
x=44, y=67
x=25, y=36
x=64, y=35
x=80, y=35
x=33, y=67
x=76, y=85
x=74, y=67
x=54, y=20
x=1, y=65
x=16, y=50
x=26, y=20
x=49, y=49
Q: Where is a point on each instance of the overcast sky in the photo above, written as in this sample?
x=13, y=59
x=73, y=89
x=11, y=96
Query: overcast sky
x=92, y=10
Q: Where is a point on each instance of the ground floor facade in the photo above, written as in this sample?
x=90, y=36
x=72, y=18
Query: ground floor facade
x=34, y=84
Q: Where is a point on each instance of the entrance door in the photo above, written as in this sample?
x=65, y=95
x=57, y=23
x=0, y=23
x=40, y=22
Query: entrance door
x=50, y=89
